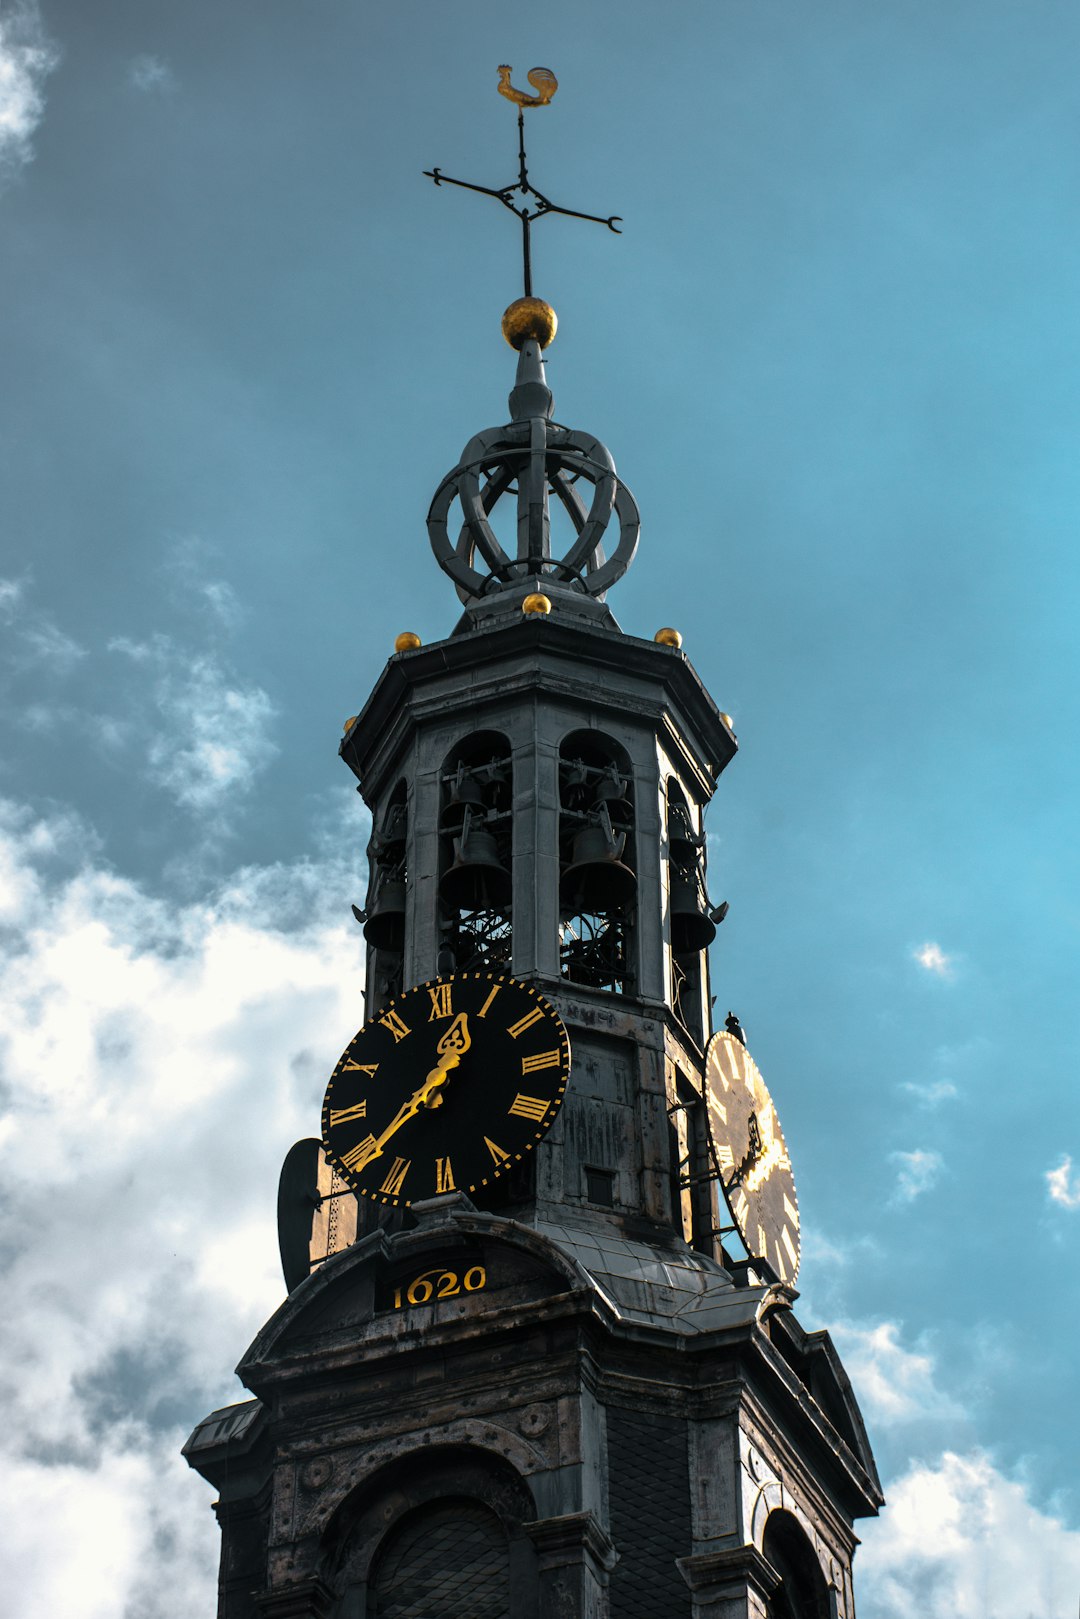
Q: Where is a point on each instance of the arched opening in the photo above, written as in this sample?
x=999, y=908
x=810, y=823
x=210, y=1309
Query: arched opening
x=440, y=1533
x=476, y=851
x=448, y=1560
x=691, y=917
x=384, y=924
x=802, y=1592
x=597, y=862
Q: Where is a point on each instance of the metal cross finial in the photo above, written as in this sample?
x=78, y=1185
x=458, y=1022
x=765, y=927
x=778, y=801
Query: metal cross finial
x=545, y=83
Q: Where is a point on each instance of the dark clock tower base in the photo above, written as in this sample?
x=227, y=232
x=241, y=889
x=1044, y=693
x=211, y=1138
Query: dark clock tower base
x=598, y=1425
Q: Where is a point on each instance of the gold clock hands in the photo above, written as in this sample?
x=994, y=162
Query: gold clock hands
x=453, y=1043
x=457, y=1037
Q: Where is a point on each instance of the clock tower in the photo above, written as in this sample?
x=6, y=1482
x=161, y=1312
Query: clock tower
x=539, y=1357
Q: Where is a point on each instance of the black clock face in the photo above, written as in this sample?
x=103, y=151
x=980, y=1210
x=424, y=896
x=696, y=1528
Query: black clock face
x=449, y=1087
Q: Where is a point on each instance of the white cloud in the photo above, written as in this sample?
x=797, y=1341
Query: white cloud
x=933, y=958
x=27, y=57
x=158, y=1061
x=35, y=639
x=151, y=73
x=960, y=1540
x=918, y=1171
x=1063, y=1184
x=210, y=734
x=932, y=1093
x=893, y=1384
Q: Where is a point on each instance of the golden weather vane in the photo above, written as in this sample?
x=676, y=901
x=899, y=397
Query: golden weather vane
x=545, y=84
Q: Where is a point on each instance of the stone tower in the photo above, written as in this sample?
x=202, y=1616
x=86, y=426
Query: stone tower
x=569, y=1392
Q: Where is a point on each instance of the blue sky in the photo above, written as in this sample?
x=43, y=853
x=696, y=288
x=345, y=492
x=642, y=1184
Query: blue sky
x=835, y=354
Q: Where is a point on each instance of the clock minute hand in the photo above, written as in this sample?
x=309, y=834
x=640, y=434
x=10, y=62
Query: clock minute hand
x=426, y=1096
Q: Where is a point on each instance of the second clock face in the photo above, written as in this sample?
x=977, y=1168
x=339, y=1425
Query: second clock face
x=447, y=1088
x=752, y=1156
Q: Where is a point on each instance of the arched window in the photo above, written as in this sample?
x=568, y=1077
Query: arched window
x=448, y=1560
x=691, y=926
x=476, y=855
x=597, y=860
x=384, y=925
x=802, y=1592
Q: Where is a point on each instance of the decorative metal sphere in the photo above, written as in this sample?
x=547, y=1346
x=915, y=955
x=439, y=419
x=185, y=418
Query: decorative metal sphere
x=536, y=603
x=407, y=641
x=668, y=637
x=728, y=722
x=349, y=723
x=529, y=317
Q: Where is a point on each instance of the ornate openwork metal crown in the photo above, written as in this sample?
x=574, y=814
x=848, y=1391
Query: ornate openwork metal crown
x=534, y=458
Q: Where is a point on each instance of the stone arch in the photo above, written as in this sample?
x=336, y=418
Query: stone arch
x=413, y=1520
x=476, y=854
x=803, y=1590
x=598, y=861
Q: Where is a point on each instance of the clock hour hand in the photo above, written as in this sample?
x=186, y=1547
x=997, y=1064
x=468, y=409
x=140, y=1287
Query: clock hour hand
x=428, y=1095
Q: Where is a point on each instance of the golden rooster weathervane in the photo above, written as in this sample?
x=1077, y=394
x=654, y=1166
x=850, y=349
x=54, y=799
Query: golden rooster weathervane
x=542, y=80
x=545, y=84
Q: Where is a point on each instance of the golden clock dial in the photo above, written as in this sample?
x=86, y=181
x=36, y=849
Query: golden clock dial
x=446, y=1088
x=752, y=1156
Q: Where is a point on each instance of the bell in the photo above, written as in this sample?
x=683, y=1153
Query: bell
x=477, y=880
x=465, y=793
x=611, y=791
x=573, y=776
x=692, y=928
x=596, y=878
x=683, y=841
x=385, y=926
x=395, y=824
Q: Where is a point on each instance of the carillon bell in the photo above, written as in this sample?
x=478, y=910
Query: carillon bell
x=692, y=927
x=385, y=926
x=683, y=842
x=466, y=794
x=611, y=793
x=477, y=880
x=596, y=878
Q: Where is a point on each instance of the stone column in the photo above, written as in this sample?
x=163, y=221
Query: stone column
x=574, y=1558
x=731, y=1584
x=304, y=1599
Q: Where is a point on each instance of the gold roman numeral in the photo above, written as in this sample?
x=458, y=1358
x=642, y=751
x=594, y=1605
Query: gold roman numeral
x=526, y=1022
x=529, y=1107
x=345, y=1115
x=395, y=1178
x=358, y=1157
x=391, y=1021
x=791, y=1211
x=542, y=1059
x=444, y=1176
x=725, y=1156
x=440, y=1001
x=484, y=1009
x=785, y=1238
x=350, y=1067
x=498, y=1156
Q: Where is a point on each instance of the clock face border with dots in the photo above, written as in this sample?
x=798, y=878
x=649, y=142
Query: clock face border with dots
x=446, y=1088
x=755, y=1167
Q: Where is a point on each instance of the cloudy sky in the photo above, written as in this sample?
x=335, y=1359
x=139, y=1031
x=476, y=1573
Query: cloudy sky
x=835, y=354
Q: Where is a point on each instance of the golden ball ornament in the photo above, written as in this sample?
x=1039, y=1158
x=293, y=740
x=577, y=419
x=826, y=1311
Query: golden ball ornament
x=728, y=721
x=536, y=603
x=407, y=641
x=529, y=317
x=668, y=637
x=349, y=723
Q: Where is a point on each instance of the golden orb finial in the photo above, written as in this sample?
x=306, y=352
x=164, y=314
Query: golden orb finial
x=536, y=603
x=728, y=721
x=407, y=641
x=349, y=723
x=668, y=637
x=529, y=318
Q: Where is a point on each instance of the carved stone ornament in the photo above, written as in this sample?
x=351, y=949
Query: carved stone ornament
x=317, y=1473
